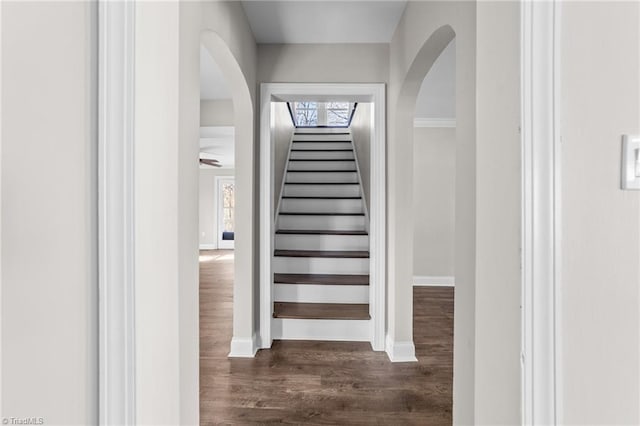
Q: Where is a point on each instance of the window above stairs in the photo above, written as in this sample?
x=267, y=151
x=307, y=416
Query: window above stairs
x=321, y=114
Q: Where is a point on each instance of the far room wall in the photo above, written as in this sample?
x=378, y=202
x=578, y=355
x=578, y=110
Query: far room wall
x=434, y=193
x=209, y=205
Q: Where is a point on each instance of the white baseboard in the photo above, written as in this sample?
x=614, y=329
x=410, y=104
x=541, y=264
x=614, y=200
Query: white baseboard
x=314, y=329
x=433, y=281
x=208, y=247
x=400, y=351
x=243, y=348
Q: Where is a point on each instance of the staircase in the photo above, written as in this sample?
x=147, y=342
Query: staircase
x=321, y=256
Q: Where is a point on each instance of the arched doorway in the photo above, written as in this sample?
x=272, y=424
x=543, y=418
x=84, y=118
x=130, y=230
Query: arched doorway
x=242, y=344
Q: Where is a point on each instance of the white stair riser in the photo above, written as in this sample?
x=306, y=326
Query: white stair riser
x=325, y=137
x=328, y=155
x=327, y=177
x=324, y=130
x=312, y=293
x=314, y=329
x=324, y=223
x=322, y=145
x=322, y=190
x=321, y=242
x=321, y=165
x=320, y=265
x=307, y=205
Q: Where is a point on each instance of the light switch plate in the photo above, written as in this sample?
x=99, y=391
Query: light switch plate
x=630, y=170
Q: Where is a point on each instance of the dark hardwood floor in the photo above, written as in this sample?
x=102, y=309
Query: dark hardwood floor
x=322, y=383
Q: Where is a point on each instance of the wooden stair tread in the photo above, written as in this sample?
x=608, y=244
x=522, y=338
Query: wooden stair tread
x=328, y=279
x=321, y=183
x=324, y=141
x=321, y=159
x=324, y=253
x=318, y=232
x=320, y=198
x=319, y=214
x=321, y=171
x=323, y=150
x=317, y=134
x=333, y=311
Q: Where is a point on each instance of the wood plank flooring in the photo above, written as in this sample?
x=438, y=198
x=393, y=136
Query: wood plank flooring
x=321, y=383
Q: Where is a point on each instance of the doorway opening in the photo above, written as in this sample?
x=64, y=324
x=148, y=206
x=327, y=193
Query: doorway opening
x=434, y=171
x=334, y=100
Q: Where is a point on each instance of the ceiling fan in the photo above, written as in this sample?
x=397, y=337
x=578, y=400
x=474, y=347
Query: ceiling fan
x=210, y=162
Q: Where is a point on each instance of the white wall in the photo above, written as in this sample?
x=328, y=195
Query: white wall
x=157, y=266
x=282, y=131
x=600, y=276
x=326, y=63
x=216, y=112
x=437, y=96
x=49, y=212
x=209, y=204
x=434, y=191
x=498, y=243
x=361, y=132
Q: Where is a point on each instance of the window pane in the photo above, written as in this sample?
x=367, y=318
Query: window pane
x=338, y=113
x=306, y=113
x=228, y=204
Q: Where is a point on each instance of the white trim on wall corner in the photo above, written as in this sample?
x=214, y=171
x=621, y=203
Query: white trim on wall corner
x=400, y=351
x=429, y=281
x=116, y=280
x=540, y=86
x=434, y=122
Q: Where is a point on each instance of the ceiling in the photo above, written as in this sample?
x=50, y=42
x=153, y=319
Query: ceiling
x=295, y=22
x=336, y=22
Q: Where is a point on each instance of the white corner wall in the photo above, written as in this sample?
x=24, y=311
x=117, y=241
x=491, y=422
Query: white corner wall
x=600, y=275
x=49, y=212
x=361, y=132
x=208, y=205
x=282, y=131
x=499, y=195
x=216, y=112
x=434, y=192
x=168, y=40
x=323, y=63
